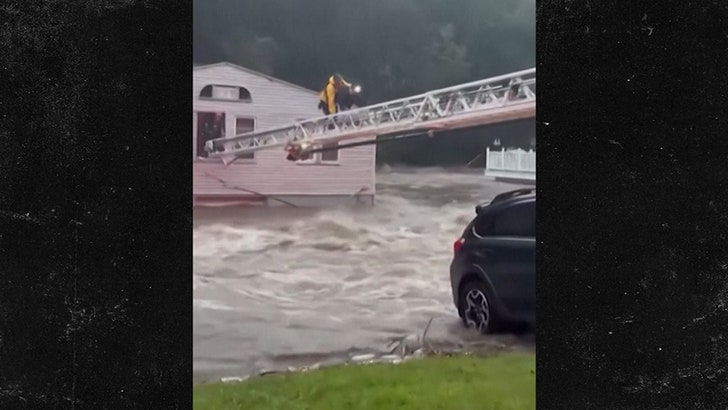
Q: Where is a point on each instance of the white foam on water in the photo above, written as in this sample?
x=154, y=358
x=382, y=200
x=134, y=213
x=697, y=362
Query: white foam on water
x=351, y=273
x=209, y=304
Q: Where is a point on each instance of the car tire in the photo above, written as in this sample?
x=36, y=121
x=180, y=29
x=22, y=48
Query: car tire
x=476, y=308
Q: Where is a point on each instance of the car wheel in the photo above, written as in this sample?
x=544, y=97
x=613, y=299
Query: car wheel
x=477, y=310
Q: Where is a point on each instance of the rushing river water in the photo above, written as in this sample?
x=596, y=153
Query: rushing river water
x=285, y=286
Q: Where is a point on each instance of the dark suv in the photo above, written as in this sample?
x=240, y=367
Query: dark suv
x=493, y=271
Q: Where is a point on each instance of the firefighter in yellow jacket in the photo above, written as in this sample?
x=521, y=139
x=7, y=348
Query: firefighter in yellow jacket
x=327, y=97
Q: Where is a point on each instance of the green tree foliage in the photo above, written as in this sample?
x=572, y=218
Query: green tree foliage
x=394, y=47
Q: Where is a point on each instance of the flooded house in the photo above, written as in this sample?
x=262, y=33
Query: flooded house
x=229, y=100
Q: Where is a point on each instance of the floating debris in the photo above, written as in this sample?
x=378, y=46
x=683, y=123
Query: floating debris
x=401, y=349
x=363, y=357
x=234, y=379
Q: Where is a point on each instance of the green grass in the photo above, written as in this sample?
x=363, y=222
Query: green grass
x=503, y=382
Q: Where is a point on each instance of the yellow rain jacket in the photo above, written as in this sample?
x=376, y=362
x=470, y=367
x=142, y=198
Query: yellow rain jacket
x=328, y=94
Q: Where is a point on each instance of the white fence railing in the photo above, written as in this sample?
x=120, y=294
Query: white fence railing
x=516, y=161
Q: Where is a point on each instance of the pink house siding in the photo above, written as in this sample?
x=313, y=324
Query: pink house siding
x=274, y=103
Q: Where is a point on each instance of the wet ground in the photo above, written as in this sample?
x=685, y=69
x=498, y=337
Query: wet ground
x=292, y=287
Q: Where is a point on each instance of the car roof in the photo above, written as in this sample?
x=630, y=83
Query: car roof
x=507, y=198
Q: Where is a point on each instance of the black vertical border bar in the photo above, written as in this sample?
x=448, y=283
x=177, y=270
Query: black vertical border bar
x=95, y=204
x=633, y=205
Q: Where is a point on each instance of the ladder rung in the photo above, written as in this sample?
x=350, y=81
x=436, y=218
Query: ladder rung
x=483, y=97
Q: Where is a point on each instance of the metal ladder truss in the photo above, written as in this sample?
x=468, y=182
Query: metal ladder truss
x=483, y=96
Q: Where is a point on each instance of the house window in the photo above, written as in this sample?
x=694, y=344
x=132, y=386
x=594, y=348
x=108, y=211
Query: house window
x=330, y=156
x=325, y=157
x=225, y=92
x=210, y=125
x=244, y=94
x=243, y=125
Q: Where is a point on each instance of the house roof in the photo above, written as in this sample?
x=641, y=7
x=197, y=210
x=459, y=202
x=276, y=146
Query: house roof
x=247, y=70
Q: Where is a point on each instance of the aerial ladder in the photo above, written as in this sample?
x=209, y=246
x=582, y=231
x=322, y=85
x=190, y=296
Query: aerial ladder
x=493, y=100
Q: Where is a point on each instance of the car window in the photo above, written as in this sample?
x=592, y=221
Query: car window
x=483, y=225
x=517, y=220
